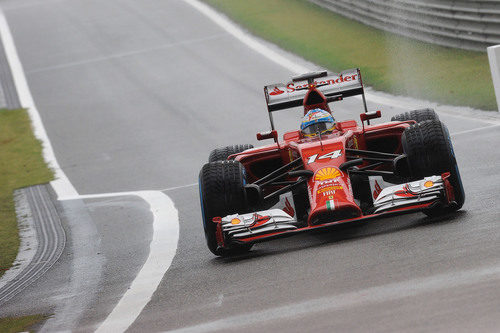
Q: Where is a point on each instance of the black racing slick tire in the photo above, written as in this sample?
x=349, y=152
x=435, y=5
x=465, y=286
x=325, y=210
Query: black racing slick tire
x=221, y=194
x=419, y=115
x=430, y=152
x=221, y=154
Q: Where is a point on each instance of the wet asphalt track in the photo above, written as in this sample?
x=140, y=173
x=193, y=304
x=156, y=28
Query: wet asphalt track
x=134, y=95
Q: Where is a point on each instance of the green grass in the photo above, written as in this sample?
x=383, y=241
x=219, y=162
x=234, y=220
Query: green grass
x=21, y=165
x=19, y=324
x=388, y=62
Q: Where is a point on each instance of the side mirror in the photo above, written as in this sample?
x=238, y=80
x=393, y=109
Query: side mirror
x=370, y=115
x=268, y=135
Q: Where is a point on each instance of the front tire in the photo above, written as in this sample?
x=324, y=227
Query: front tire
x=430, y=152
x=221, y=194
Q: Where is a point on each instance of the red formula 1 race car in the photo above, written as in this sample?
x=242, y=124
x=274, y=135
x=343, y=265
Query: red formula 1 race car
x=328, y=172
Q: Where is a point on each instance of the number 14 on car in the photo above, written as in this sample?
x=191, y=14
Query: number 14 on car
x=331, y=155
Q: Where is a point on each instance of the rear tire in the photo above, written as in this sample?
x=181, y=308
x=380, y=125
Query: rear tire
x=221, y=154
x=221, y=193
x=419, y=115
x=430, y=152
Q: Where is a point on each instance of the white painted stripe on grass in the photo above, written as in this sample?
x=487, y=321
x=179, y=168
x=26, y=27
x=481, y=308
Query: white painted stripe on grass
x=162, y=251
x=62, y=186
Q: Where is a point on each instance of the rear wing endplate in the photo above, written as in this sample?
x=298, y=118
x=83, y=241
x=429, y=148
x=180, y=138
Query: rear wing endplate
x=335, y=86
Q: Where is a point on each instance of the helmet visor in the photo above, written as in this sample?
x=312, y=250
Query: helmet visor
x=320, y=127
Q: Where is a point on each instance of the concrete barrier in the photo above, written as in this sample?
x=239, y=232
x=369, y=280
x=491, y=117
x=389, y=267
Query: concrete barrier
x=472, y=25
x=494, y=58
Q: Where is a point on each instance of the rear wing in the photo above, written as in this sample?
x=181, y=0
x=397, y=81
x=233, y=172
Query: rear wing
x=335, y=86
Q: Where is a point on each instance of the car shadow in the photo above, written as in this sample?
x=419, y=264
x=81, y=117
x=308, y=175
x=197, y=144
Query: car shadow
x=342, y=233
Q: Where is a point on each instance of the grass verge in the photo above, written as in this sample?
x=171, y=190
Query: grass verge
x=389, y=62
x=19, y=324
x=21, y=165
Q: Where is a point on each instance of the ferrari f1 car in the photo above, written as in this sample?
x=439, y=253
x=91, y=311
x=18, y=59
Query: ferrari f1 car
x=356, y=172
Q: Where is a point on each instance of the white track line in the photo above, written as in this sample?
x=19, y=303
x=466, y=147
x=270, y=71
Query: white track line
x=61, y=184
x=121, y=194
x=179, y=187
x=125, y=54
x=162, y=251
x=369, y=296
x=165, y=235
x=296, y=68
x=246, y=38
x=165, y=216
x=474, y=130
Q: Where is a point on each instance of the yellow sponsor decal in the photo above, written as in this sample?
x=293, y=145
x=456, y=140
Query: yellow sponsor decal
x=330, y=188
x=327, y=173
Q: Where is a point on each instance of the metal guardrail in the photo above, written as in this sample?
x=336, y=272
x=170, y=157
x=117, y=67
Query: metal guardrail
x=472, y=25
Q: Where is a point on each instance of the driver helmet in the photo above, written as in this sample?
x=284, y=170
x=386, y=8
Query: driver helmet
x=317, y=121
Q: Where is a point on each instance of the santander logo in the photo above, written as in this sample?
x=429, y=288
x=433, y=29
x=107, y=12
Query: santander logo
x=276, y=91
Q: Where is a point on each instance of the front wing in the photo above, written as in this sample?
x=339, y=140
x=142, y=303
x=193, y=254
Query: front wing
x=392, y=200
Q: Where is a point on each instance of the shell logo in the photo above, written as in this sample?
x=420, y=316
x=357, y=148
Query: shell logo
x=429, y=183
x=327, y=173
